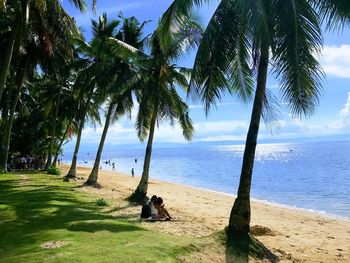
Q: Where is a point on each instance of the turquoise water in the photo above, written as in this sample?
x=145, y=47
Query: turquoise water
x=312, y=176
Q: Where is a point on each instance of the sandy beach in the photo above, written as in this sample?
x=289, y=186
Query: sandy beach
x=293, y=235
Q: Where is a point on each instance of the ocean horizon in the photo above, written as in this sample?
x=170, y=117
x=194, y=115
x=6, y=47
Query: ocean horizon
x=314, y=176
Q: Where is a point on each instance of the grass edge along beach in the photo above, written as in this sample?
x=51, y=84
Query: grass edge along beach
x=65, y=218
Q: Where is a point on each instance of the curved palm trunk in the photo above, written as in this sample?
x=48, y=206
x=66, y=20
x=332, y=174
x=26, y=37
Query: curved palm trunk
x=92, y=180
x=240, y=213
x=142, y=188
x=53, y=131
x=8, y=122
x=73, y=168
x=61, y=143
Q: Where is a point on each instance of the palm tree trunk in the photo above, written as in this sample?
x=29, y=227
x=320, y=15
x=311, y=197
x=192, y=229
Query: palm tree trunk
x=92, y=180
x=240, y=213
x=53, y=130
x=73, y=168
x=8, y=122
x=142, y=188
x=5, y=64
x=61, y=143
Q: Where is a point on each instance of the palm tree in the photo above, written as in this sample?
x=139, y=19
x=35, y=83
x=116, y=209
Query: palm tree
x=58, y=100
x=283, y=34
x=120, y=101
x=159, y=100
x=16, y=11
x=42, y=34
x=88, y=106
x=94, y=61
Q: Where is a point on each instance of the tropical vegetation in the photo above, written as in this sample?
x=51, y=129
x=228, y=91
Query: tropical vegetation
x=54, y=82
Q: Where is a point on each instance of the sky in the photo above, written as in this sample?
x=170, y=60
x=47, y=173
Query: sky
x=230, y=119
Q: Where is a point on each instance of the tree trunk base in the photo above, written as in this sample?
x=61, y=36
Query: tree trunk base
x=69, y=177
x=240, y=216
x=137, y=197
x=93, y=184
x=240, y=246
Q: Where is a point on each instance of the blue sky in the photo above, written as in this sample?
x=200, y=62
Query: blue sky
x=229, y=121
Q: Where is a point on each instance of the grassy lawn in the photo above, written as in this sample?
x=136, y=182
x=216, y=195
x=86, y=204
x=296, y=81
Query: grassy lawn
x=39, y=208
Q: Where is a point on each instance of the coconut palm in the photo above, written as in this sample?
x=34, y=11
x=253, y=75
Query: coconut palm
x=93, y=73
x=42, y=32
x=283, y=34
x=120, y=83
x=159, y=100
x=22, y=15
x=88, y=105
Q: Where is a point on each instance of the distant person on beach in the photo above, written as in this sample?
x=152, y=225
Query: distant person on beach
x=113, y=166
x=132, y=172
x=162, y=212
x=135, y=160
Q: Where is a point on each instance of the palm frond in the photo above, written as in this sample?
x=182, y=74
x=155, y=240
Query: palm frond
x=270, y=111
x=81, y=4
x=298, y=39
x=335, y=13
x=222, y=61
x=123, y=50
x=183, y=116
x=173, y=19
x=144, y=115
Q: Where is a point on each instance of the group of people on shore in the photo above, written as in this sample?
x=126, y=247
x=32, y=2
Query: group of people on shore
x=154, y=209
x=26, y=162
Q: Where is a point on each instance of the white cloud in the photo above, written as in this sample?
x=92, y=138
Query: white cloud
x=336, y=60
x=123, y=132
x=220, y=126
x=345, y=112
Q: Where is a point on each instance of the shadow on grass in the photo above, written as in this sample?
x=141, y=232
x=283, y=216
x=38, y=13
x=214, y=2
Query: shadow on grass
x=129, y=205
x=93, y=227
x=28, y=212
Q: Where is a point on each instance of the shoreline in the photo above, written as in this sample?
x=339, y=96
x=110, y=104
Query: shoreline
x=262, y=201
x=292, y=234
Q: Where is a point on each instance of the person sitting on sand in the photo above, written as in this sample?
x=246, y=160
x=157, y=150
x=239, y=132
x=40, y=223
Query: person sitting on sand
x=162, y=212
x=151, y=205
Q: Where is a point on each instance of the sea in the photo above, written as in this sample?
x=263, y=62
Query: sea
x=310, y=175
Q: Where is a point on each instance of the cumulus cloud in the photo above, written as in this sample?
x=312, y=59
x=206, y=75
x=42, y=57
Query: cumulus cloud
x=336, y=60
x=345, y=112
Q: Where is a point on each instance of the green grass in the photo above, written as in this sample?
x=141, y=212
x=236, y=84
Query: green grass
x=42, y=208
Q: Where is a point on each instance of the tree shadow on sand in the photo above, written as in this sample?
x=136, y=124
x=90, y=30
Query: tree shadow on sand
x=240, y=247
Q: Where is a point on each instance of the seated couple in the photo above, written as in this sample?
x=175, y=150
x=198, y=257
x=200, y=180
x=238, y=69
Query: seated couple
x=155, y=209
